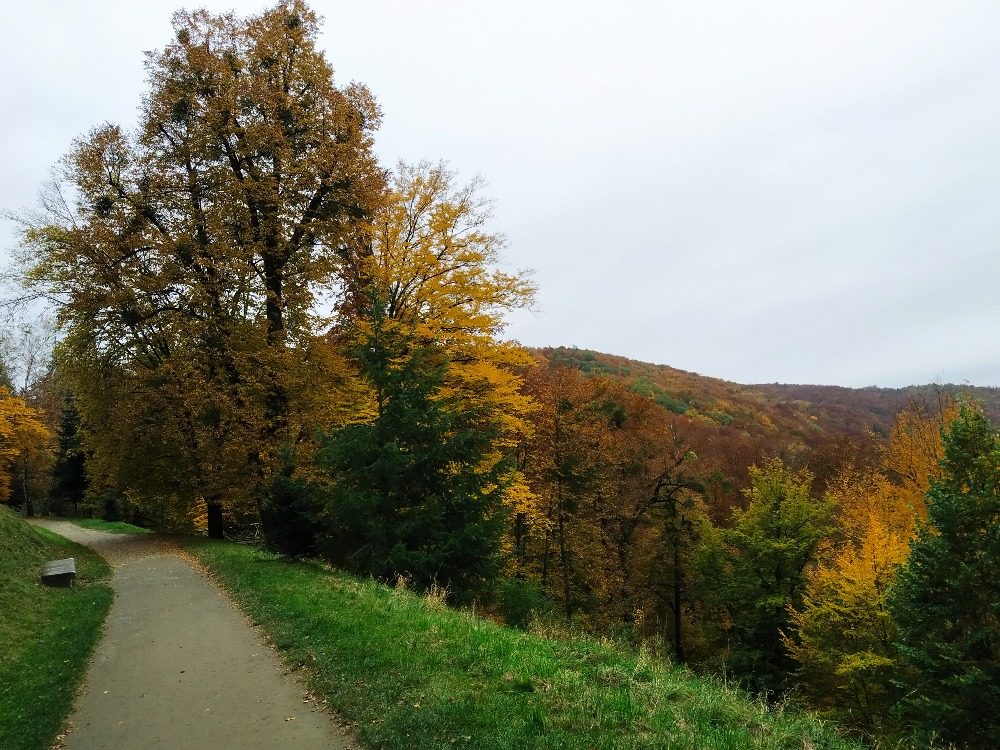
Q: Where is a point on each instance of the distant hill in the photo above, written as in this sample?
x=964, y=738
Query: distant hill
x=879, y=405
x=803, y=411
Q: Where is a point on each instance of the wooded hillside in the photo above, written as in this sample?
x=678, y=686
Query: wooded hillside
x=801, y=411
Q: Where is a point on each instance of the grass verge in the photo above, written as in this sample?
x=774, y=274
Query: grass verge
x=411, y=674
x=46, y=634
x=115, y=527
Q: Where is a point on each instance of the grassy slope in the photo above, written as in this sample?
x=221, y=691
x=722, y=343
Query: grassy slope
x=411, y=674
x=115, y=527
x=46, y=634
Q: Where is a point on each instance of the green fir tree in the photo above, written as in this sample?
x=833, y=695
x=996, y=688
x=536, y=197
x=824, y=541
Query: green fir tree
x=946, y=601
x=69, y=474
x=411, y=495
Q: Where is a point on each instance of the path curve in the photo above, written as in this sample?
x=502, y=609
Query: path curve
x=179, y=667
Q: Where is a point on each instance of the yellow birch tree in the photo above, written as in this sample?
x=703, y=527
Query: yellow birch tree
x=22, y=432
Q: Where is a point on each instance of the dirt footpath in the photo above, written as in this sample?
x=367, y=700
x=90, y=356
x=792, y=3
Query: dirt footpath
x=178, y=667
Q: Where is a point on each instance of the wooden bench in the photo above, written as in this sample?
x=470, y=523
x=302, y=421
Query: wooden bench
x=59, y=572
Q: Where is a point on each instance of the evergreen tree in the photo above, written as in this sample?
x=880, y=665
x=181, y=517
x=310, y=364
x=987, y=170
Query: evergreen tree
x=412, y=493
x=293, y=512
x=69, y=474
x=946, y=602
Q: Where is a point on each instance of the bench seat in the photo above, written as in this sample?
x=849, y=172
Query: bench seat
x=59, y=572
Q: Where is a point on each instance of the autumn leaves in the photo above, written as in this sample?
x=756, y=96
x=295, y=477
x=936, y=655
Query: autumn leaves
x=23, y=435
x=261, y=323
x=793, y=584
x=247, y=297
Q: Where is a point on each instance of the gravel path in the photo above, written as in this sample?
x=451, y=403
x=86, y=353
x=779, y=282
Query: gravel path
x=179, y=667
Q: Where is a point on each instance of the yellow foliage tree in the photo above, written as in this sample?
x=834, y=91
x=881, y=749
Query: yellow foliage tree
x=842, y=635
x=843, y=632
x=862, y=497
x=21, y=432
x=432, y=267
x=914, y=448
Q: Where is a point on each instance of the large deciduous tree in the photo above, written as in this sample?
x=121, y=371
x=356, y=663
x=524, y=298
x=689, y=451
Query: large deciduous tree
x=186, y=258
x=768, y=550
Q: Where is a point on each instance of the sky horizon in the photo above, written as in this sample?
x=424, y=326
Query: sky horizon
x=775, y=192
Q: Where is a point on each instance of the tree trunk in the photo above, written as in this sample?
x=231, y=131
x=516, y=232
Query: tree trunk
x=214, y=519
x=29, y=507
x=564, y=559
x=678, y=590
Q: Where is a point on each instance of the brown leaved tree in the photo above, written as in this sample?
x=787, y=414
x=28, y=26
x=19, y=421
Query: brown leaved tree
x=187, y=258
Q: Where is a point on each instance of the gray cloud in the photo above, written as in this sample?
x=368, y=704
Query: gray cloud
x=773, y=191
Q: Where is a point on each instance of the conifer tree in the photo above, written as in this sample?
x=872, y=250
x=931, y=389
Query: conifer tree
x=411, y=495
x=69, y=474
x=946, y=602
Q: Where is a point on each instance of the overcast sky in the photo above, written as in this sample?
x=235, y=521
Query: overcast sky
x=791, y=191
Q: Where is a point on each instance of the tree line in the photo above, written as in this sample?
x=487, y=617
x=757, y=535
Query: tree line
x=861, y=589
x=260, y=324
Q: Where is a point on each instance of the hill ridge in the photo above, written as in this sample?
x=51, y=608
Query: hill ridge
x=791, y=406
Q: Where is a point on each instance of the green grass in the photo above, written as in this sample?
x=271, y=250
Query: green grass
x=116, y=527
x=46, y=634
x=411, y=674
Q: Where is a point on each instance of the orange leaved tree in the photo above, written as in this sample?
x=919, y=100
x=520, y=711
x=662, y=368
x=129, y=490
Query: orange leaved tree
x=187, y=259
x=21, y=433
x=842, y=635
